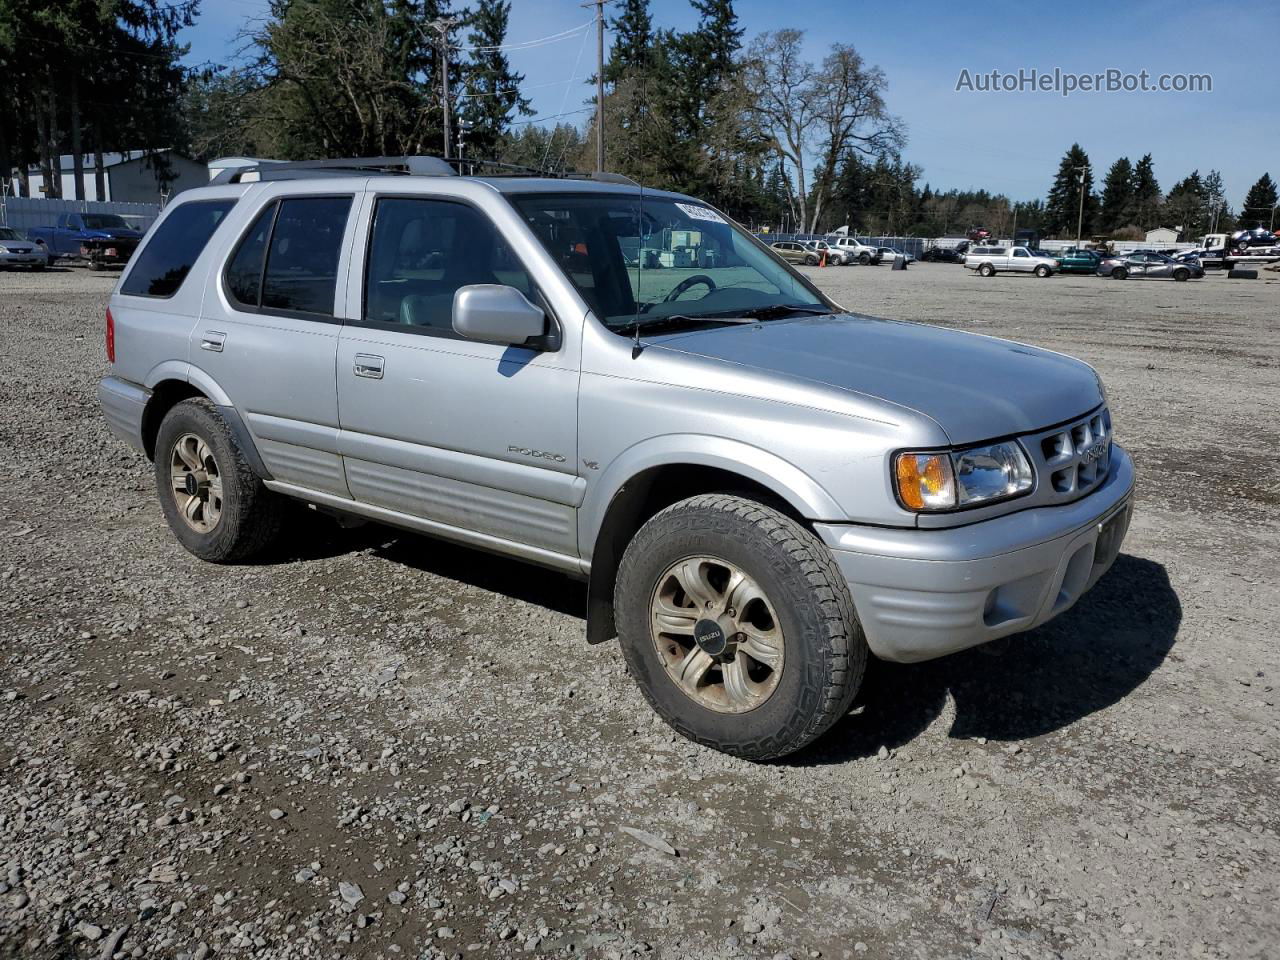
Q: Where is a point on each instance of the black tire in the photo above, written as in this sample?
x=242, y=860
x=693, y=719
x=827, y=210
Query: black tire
x=1119, y=273
x=94, y=265
x=810, y=261
x=38, y=267
x=1042, y=271
x=1182, y=275
x=864, y=259
x=987, y=270
x=251, y=515
x=825, y=650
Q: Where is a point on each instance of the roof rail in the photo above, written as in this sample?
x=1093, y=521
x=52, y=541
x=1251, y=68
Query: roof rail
x=413, y=166
x=300, y=169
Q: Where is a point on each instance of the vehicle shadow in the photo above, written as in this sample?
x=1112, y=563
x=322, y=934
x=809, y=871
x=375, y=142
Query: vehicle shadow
x=1083, y=661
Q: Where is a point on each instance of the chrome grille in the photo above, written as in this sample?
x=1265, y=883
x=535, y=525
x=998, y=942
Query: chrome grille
x=1073, y=459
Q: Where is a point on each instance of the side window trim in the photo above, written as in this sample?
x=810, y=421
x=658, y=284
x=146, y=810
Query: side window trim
x=550, y=342
x=278, y=203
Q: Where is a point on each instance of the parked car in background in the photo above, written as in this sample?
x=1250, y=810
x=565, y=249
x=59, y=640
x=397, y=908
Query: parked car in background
x=761, y=489
x=989, y=261
x=835, y=256
x=103, y=239
x=947, y=250
x=1145, y=264
x=863, y=253
x=1078, y=261
x=793, y=251
x=889, y=254
x=17, y=251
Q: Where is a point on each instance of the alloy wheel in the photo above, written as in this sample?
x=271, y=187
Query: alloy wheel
x=196, y=483
x=717, y=634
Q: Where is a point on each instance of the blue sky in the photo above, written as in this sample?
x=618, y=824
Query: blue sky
x=1004, y=142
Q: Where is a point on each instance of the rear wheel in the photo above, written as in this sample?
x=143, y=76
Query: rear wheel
x=737, y=626
x=1119, y=273
x=987, y=270
x=214, y=503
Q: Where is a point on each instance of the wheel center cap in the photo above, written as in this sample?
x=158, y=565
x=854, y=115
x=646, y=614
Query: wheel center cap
x=191, y=485
x=710, y=637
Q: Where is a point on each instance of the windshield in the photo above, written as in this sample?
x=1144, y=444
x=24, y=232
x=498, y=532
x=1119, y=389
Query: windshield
x=664, y=259
x=104, y=221
x=7, y=234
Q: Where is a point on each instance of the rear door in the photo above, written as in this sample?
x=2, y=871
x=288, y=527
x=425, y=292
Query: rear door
x=479, y=438
x=268, y=335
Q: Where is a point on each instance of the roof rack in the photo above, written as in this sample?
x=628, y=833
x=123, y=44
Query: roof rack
x=412, y=166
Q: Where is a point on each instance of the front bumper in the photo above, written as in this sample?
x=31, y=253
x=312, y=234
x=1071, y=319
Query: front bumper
x=922, y=594
x=123, y=404
x=33, y=259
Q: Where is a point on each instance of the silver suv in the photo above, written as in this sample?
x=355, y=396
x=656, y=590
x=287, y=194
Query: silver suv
x=760, y=487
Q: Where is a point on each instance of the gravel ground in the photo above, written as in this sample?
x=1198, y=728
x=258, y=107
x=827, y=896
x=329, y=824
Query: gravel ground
x=381, y=746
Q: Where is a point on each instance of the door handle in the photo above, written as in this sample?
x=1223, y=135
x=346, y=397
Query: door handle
x=213, y=340
x=367, y=365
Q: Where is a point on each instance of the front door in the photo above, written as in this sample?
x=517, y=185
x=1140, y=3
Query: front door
x=475, y=437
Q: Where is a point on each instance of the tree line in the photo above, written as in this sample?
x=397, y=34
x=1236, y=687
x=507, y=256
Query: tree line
x=752, y=125
x=1131, y=202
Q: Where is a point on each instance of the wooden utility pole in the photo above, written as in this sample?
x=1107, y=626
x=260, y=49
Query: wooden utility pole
x=599, y=5
x=442, y=26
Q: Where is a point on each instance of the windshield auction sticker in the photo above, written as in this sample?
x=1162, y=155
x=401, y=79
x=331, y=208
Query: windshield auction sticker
x=701, y=213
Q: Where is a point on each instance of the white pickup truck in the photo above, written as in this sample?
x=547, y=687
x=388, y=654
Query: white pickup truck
x=989, y=261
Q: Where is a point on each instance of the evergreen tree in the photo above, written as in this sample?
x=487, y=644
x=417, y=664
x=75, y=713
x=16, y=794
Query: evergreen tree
x=1117, y=196
x=1063, y=207
x=1259, y=204
x=1215, y=200
x=632, y=38
x=1185, y=205
x=492, y=87
x=1146, y=195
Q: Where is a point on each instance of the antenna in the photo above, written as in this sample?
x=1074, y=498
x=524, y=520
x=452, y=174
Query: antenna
x=637, y=347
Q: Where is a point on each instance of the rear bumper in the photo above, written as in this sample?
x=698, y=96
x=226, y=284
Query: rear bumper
x=123, y=404
x=922, y=594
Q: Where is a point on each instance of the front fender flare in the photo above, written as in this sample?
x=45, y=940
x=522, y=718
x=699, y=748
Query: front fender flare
x=804, y=494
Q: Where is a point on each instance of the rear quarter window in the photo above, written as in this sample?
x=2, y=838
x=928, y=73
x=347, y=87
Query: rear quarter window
x=164, y=261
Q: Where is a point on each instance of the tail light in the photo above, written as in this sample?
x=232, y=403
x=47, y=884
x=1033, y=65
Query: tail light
x=111, y=337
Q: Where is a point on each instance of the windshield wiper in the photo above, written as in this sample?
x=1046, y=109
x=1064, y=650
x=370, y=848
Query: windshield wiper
x=680, y=318
x=783, y=310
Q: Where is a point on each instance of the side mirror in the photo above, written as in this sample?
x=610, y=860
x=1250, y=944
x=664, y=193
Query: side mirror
x=494, y=313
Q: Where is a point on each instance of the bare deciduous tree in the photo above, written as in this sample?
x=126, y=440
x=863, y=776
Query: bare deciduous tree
x=823, y=114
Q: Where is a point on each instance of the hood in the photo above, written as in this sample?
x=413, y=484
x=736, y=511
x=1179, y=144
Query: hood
x=974, y=387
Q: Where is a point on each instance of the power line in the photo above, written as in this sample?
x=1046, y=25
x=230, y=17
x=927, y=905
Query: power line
x=528, y=44
x=564, y=99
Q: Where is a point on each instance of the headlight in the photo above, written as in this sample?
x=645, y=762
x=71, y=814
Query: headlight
x=4, y=249
x=963, y=478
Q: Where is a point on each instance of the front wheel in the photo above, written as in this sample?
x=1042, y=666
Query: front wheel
x=1182, y=275
x=214, y=503
x=810, y=261
x=864, y=259
x=1119, y=273
x=1042, y=271
x=737, y=626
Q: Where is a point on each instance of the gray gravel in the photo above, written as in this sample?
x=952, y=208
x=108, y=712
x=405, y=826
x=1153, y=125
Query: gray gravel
x=382, y=746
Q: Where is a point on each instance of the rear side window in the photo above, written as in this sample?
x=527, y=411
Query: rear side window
x=160, y=267
x=288, y=261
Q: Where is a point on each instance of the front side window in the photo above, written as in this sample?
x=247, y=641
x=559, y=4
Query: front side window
x=159, y=268
x=287, y=262
x=421, y=251
x=639, y=260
